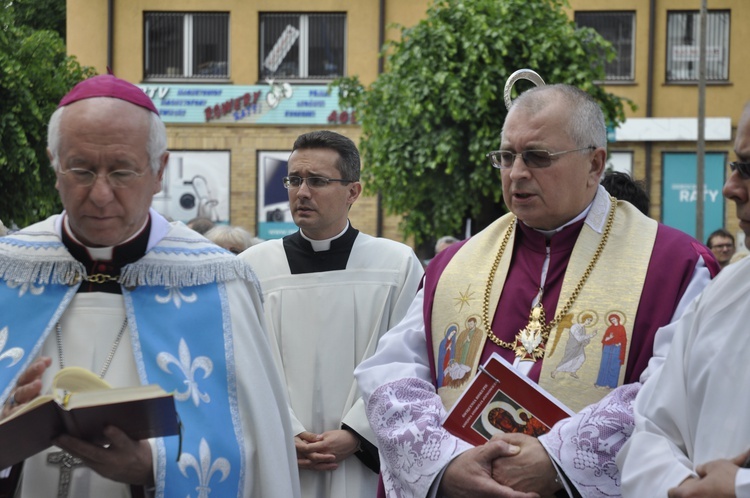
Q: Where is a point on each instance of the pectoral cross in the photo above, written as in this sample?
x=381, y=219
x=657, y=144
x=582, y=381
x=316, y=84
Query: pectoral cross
x=67, y=463
x=528, y=346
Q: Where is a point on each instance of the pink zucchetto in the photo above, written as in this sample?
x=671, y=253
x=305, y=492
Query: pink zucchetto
x=107, y=85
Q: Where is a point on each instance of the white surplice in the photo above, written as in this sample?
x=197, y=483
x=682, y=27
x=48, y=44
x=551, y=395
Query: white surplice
x=323, y=325
x=696, y=408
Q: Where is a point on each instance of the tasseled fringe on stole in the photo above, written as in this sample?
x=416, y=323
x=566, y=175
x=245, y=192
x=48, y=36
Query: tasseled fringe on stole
x=186, y=274
x=41, y=272
x=169, y=275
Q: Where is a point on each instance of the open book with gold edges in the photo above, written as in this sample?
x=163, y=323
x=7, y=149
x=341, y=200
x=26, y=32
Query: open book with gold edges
x=81, y=404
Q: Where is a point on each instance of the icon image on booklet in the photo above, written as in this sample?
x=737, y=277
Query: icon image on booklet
x=503, y=415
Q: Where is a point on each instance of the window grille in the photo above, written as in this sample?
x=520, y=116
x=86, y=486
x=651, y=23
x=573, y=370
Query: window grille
x=302, y=46
x=683, y=46
x=186, y=45
x=618, y=28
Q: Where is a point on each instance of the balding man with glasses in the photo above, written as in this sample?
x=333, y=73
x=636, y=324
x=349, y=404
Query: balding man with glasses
x=330, y=293
x=566, y=256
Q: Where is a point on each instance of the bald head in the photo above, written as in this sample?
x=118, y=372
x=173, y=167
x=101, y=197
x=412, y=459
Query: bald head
x=156, y=138
x=585, y=119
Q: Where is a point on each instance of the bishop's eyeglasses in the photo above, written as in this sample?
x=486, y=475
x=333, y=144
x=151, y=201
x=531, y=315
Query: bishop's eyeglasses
x=312, y=181
x=742, y=168
x=535, y=158
x=119, y=178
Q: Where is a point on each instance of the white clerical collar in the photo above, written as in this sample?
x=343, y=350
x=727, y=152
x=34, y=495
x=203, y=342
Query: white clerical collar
x=325, y=244
x=549, y=233
x=99, y=253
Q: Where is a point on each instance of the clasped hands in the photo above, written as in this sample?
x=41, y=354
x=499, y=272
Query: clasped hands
x=324, y=451
x=715, y=478
x=507, y=466
x=122, y=460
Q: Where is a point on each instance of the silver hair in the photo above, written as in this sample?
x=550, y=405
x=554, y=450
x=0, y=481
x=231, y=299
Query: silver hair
x=445, y=240
x=232, y=238
x=156, y=144
x=586, y=124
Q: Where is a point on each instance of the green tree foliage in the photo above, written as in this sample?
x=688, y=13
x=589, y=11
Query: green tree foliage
x=438, y=108
x=41, y=14
x=35, y=73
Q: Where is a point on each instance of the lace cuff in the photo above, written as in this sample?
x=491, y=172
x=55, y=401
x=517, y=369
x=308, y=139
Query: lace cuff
x=406, y=416
x=584, y=446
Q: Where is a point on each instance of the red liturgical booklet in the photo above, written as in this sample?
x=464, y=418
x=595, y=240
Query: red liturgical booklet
x=500, y=399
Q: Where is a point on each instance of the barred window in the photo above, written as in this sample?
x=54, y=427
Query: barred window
x=618, y=28
x=302, y=46
x=183, y=45
x=683, y=49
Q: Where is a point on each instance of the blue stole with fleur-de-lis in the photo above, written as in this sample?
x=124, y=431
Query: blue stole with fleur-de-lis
x=35, y=311
x=191, y=355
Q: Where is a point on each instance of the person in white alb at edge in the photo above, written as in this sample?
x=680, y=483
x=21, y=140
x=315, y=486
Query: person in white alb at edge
x=692, y=431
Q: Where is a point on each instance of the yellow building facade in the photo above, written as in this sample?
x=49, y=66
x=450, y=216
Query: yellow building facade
x=216, y=92
x=661, y=51
x=230, y=114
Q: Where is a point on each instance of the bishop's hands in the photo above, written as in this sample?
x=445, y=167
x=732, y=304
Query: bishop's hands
x=28, y=386
x=472, y=473
x=122, y=460
x=508, y=466
x=324, y=451
x=531, y=470
x=715, y=478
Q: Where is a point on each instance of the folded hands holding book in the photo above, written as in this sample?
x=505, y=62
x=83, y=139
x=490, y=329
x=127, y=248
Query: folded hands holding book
x=103, y=426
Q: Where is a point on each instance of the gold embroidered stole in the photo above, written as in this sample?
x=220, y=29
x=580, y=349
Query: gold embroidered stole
x=458, y=304
x=576, y=358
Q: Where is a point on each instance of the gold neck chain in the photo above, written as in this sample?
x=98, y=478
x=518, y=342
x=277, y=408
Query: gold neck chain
x=96, y=278
x=101, y=278
x=564, y=310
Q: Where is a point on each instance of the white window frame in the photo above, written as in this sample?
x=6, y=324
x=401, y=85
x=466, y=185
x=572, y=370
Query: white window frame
x=304, y=47
x=717, y=48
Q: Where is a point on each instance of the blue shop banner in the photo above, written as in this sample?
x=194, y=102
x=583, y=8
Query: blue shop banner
x=275, y=103
x=680, y=192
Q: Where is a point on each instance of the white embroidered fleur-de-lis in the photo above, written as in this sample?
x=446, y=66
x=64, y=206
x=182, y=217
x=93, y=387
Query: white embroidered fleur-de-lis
x=15, y=354
x=175, y=295
x=205, y=469
x=26, y=287
x=188, y=368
